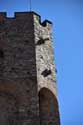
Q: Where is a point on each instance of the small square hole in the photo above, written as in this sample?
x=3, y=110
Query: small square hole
x=1, y=53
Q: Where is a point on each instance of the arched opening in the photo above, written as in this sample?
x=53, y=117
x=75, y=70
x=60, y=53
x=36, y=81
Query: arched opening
x=48, y=108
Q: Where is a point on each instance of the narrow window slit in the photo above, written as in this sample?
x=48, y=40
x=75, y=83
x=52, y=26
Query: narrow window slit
x=1, y=53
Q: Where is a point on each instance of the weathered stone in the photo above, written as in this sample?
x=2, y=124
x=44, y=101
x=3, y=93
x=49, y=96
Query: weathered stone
x=27, y=94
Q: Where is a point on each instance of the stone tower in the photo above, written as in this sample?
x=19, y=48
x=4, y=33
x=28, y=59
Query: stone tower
x=27, y=73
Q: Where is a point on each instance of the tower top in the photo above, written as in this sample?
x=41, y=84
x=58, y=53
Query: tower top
x=28, y=89
x=3, y=16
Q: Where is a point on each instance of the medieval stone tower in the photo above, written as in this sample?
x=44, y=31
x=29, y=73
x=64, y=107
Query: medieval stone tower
x=27, y=73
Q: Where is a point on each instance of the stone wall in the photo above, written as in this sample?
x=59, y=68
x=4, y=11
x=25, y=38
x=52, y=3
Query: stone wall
x=44, y=55
x=27, y=71
x=18, y=82
x=46, y=72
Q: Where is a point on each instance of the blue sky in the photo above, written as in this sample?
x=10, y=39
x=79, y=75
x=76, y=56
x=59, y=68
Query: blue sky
x=67, y=18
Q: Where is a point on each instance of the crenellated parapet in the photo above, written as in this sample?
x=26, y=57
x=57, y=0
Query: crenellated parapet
x=3, y=15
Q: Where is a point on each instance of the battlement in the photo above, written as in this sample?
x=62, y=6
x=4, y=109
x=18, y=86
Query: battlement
x=22, y=15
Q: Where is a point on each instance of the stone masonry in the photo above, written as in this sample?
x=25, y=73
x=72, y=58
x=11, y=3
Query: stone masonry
x=28, y=92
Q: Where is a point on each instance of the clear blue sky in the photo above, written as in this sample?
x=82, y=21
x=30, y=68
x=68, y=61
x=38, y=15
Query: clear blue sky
x=67, y=17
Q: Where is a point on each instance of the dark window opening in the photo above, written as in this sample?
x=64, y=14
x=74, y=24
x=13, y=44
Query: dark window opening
x=46, y=72
x=42, y=41
x=1, y=53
